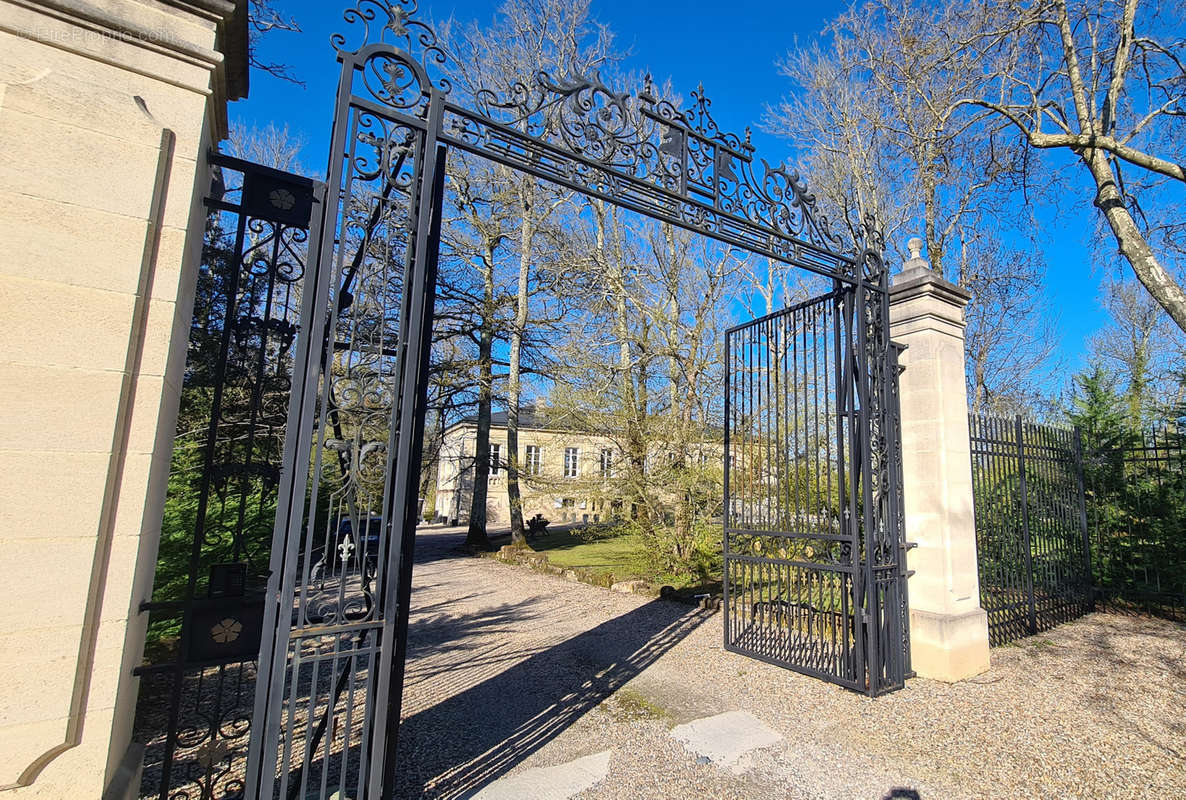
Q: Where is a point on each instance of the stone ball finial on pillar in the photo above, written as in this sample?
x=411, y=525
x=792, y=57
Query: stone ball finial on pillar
x=916, y=263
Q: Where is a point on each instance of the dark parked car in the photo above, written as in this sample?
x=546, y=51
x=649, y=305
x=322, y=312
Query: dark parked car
x=371, y=537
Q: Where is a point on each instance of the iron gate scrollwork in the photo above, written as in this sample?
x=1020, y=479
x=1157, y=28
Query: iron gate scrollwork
x=205, y=615
x=328, y=699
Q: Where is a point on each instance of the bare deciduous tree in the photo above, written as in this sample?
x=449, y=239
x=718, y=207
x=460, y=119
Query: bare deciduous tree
x=527, y=37
x=271, y=146
x=1010, y=336
x=265, y=17
x=1141, y=348
x=879, y=114
x=1103, y=81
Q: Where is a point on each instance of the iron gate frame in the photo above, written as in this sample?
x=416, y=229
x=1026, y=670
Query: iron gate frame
x=631, y=149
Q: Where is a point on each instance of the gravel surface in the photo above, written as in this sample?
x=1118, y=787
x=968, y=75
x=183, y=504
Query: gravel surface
x=511, y=669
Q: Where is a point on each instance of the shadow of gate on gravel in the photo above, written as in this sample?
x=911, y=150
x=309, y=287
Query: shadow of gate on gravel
x=456, y=747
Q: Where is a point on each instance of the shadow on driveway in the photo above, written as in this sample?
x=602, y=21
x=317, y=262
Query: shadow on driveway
x=478, y=733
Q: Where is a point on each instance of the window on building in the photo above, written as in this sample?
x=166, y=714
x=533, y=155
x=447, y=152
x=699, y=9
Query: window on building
x=571, y=462
x=495, y=458
x=534, y=459
x=607, y=463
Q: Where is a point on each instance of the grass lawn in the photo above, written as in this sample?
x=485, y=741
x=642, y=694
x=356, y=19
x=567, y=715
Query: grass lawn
x=604, y=554
x=592, y=549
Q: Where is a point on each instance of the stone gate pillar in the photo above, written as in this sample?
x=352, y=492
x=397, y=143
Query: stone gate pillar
x=948, y=629
x=107, y=111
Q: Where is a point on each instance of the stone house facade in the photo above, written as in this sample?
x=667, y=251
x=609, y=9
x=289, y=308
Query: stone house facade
x=569, y=474
x=566, y=473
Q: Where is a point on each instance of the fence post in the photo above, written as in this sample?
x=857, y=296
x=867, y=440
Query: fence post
x=1031, y=607
x=948, y=628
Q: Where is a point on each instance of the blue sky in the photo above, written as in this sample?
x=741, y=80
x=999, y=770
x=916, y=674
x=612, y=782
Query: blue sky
x=732, y=48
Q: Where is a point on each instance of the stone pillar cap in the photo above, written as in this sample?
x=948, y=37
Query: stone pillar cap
x=916, y=277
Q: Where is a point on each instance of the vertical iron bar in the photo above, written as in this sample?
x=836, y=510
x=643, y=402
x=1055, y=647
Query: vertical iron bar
x=1082, y=497
x=864, y=430
x=1025, y=527
x=728, y=501
x=411, y=436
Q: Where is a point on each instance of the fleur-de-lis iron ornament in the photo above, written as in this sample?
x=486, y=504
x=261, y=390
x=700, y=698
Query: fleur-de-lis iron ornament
x=346, y=548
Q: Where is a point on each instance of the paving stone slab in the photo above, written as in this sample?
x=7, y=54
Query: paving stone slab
x=550, y=783
x=726, y=739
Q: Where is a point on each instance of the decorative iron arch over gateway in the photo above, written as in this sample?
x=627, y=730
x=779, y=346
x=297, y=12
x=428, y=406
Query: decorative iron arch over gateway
x=631, y=148
x=333, y=646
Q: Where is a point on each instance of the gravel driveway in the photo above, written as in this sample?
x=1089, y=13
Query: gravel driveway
x=511, y=670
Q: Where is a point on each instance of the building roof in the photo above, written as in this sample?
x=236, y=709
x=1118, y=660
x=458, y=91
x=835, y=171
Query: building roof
x=533, y=418
x=549, y=419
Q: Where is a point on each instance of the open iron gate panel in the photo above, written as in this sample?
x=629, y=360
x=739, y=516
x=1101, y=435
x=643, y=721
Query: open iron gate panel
x=205, y=617
x=804, y=586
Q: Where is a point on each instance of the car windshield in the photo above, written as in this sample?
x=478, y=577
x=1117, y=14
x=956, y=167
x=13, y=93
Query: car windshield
x=373, y=526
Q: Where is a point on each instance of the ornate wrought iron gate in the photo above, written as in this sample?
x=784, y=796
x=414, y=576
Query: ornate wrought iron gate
x=328, y=700
x=335, y=620
x=205, y=616
x=814, y=577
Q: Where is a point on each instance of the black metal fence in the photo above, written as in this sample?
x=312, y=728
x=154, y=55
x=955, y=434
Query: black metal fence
x=1066, y=520
x=1136, y=508
x=1031, y=526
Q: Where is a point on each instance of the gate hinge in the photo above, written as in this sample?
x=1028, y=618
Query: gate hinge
x=909, y=545
x=908, y=573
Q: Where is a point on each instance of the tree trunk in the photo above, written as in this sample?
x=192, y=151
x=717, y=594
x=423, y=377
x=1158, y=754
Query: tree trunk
x=680, y=407
x=1132, y=243
x=514, y=499
x=934, y=247
x=640, y=438
x=476, y=536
